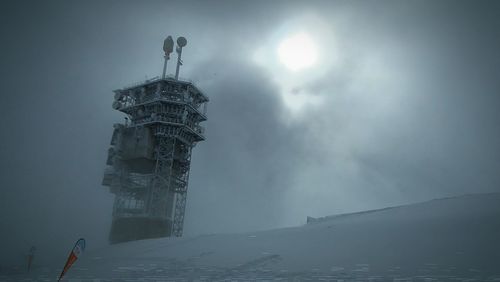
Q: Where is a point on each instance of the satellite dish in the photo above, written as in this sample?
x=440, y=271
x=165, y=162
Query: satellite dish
x=181, y=41
x=117, y=105
x=118, y=96
x=168, y=45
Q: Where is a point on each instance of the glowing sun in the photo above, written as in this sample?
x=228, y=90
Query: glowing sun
x=297, y=52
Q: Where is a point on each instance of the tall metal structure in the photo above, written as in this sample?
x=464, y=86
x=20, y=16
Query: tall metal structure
x=150, y=155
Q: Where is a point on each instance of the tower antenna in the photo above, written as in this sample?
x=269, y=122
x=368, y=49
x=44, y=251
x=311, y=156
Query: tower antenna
x=149, y=160
x=181, y=42
x=168, y=47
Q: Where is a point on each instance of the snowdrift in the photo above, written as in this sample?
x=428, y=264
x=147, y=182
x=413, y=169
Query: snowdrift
x=449, y=239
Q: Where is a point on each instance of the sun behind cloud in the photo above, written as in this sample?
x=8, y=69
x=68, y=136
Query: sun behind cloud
x=298, y=52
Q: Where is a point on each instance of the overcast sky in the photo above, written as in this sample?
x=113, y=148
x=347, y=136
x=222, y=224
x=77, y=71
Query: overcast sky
x=401, y=106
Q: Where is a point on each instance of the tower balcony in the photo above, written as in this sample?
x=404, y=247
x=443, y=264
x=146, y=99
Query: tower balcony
x=167, y=90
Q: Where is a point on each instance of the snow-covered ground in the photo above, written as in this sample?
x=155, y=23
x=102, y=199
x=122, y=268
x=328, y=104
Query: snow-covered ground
x=453, y=239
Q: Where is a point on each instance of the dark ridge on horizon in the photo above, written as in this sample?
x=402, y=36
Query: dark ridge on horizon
x=312, y=220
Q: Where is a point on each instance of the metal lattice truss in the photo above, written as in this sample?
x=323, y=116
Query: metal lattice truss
x=151, y=153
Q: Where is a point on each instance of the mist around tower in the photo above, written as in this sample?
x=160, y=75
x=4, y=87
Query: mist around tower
x=249, y=141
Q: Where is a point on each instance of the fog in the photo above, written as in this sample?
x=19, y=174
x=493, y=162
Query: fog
x=406, y=110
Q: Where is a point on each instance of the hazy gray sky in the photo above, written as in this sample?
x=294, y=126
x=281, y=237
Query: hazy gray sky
x=401, y=106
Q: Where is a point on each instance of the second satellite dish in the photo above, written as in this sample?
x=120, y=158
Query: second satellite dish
x=181, y=41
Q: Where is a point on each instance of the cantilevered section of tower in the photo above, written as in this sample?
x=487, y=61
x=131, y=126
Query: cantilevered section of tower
x=150, y=155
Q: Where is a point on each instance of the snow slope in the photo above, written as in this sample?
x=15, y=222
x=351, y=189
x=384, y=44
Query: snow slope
x=451, y=239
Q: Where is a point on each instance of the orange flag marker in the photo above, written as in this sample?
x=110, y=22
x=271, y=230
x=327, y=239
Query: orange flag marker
x=73, y=256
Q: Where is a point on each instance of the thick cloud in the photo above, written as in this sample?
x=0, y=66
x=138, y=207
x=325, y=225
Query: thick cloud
x=245, y=165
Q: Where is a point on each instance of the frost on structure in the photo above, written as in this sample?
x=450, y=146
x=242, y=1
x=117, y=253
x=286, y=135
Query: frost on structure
x=150, y=157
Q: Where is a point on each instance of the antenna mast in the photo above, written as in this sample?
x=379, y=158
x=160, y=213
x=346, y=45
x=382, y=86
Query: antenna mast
x=181, y=42
x=168, y=47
